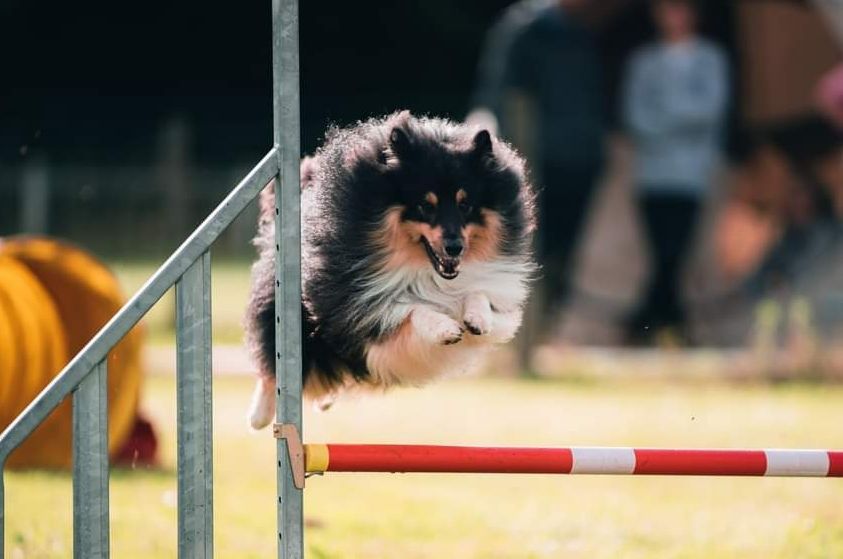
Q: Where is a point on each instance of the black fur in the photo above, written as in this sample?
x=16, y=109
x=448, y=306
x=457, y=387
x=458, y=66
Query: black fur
x=352, y=180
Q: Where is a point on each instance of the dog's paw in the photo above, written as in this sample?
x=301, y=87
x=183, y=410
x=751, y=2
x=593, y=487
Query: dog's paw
x=443, y=330
x=478, y=315
x=436, y=327
x=504, y=326
x=477, y=323
x=449, y=332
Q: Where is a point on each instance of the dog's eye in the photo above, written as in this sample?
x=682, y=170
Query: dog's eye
x=465, y=207
x=426, y=209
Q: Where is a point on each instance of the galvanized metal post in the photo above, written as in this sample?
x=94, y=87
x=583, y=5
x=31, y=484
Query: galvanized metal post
x=189, y=269
x=96, y=351
x=194, y=415
x=90, y=465
x=288, y=335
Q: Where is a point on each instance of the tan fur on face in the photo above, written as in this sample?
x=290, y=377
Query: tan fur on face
x=401, y=240
x=482, y=242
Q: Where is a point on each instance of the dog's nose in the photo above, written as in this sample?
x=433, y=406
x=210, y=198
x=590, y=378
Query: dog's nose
x=453, y=247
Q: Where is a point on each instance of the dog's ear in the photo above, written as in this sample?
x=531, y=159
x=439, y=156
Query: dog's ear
x=399, y=147
x=482, y=145
x=399, y=142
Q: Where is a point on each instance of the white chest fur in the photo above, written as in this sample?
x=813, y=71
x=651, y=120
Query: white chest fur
x=409, y=356
x=388, y=297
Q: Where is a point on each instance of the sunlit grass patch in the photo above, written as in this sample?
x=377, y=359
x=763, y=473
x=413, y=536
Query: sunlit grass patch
x=484, y=516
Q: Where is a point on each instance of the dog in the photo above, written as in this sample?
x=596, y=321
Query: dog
x=416, y=257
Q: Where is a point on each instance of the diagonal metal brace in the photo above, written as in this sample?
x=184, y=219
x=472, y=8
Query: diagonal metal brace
x=295, y=449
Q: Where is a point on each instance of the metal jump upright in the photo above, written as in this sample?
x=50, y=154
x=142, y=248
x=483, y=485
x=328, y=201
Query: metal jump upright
x=188, y=269
x=288, y=340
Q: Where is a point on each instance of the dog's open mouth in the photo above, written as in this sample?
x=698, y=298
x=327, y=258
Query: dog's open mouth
x=446, y=267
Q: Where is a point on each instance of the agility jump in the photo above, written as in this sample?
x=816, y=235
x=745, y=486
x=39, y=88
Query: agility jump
x=317, y=459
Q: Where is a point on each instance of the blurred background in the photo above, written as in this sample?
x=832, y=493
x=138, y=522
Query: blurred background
x=121, y=131
x=688, y=155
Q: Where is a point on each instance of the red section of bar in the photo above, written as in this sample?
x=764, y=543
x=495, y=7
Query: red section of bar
x=835, y=464
x=456, y=459
x=700, y=462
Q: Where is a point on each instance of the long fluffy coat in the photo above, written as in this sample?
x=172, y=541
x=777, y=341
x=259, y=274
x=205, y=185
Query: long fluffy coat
x=416, y=238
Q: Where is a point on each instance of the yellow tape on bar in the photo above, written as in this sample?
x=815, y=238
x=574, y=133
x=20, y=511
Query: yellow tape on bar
x=316, y=458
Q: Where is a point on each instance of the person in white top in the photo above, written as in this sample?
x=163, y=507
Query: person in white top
x=675, y=99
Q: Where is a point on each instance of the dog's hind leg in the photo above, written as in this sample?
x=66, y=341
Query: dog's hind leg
x=259, y=324
x=262, y=408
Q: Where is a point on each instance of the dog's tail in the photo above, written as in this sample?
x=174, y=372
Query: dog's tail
x=262, y=408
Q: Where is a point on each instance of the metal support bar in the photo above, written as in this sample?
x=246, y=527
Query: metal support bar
x=288, y=335
x=189, y=266
x=97, y=349
x=195, y=414
x=175, y=266
x=90, y=465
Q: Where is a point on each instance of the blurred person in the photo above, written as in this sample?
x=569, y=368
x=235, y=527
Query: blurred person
x=540, y=83
x=675, y=99
x=802, y=199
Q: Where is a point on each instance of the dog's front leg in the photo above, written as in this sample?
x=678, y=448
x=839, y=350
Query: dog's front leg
x=481, y=320
x=505, y=325
x=477, y=314
x=412, y=352
x=433, y=326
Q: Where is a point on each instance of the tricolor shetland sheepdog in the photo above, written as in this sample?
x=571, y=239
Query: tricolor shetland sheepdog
x=416, y=257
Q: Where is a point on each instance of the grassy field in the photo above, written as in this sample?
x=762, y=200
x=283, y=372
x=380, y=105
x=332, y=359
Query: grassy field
x=441, y=516
x=229, y=292
x=438, y=516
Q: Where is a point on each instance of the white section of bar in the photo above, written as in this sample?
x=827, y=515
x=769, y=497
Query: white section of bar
x=801, y=463
x=603, y=461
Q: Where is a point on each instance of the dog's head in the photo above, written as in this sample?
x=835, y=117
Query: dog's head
x=458, y=200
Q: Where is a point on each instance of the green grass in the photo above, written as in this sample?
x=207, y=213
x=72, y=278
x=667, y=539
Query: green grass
x=439, y=516
x=229, y=292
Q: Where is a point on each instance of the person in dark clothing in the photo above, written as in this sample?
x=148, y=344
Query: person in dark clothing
x=674, y=107
x=541, y=83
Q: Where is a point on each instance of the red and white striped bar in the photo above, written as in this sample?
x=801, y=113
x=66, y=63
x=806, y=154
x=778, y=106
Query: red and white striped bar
x=320, y=458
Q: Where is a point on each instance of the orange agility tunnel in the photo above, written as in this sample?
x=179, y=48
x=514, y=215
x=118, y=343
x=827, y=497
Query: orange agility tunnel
x=53, y=298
